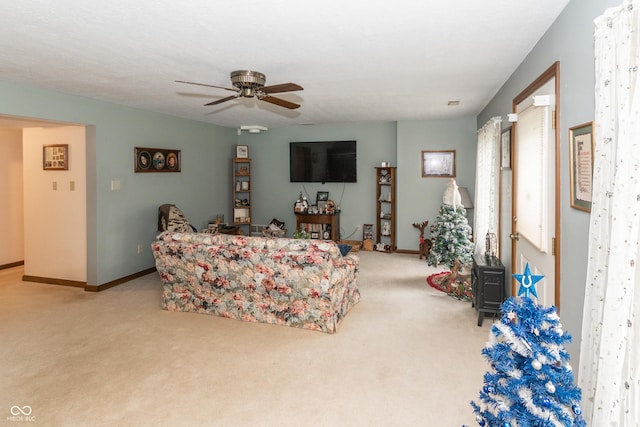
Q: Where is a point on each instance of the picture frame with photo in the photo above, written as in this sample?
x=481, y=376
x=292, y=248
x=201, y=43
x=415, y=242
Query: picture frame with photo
x=321, y=200
x=505, y=149
x=242, y=151
x=156, y=160
x=581, y=151
x=438, y=163
x=55, y=157
x=367, y=232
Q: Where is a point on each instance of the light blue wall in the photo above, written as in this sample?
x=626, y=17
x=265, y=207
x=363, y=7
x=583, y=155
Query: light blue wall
x=274, y=196
x=419, y=199
x=120, y=220
x=570, y=41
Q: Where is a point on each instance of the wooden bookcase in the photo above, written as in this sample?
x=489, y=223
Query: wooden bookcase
x=328, y=226
x=241, y=182
x=386, y=207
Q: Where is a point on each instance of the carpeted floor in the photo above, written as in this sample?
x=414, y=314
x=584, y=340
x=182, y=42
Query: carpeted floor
x=406, y=355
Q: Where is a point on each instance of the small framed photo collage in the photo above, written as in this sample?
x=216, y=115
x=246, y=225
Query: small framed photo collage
x=55, y=157
x=156, y=160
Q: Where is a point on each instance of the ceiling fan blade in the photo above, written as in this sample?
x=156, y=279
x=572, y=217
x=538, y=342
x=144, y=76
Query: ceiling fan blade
x=202, y=84
x=220, y=101
x=284, y=87
x=281, y=102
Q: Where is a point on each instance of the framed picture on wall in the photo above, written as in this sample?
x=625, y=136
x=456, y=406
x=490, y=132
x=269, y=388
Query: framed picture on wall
x=505, y=149
x=439, y=164
x=581, y=165
x=55, y=157
x=156, y=160
x=242, y=151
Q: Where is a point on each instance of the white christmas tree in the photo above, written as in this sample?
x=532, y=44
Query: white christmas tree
x=451, y=232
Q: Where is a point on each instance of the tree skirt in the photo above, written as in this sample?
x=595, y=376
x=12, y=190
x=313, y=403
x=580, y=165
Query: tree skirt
x=458, y=290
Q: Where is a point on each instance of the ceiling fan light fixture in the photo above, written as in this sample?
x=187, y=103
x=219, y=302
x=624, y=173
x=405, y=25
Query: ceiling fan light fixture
x=253, y=128
x=250, y=84
x=247, y=79
x=247, y=92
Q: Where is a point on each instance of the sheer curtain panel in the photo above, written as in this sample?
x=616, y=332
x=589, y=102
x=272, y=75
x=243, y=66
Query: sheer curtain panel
x=487, y=180
x=610, y=346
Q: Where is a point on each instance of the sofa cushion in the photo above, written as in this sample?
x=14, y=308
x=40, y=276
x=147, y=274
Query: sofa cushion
x=344, y=249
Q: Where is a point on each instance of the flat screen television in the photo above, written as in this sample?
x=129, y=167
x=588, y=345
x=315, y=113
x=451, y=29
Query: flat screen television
x=323, y=161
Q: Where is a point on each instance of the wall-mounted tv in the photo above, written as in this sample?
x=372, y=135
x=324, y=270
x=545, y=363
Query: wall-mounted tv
x=323, y=161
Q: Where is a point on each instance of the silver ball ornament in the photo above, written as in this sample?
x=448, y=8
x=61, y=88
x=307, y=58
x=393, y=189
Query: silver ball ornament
x=550, y=387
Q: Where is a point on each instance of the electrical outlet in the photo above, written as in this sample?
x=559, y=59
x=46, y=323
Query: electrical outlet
x=140, y=248
x=357, y=227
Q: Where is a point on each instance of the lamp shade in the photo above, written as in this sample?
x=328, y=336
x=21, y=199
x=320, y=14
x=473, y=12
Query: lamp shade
x=465, y=198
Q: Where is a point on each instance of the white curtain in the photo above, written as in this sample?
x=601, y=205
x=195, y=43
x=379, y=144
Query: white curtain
x=487, y=180
x=610, y=346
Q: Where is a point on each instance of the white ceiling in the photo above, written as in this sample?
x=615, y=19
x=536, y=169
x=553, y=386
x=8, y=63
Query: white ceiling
x=357, y=60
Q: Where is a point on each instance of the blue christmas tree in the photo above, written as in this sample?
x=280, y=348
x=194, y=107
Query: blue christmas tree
x=531, y=382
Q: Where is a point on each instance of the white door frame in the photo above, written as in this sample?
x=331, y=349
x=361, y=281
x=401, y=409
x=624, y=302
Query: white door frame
x=552, y=72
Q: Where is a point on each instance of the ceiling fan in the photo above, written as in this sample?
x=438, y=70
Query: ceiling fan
x=250, y=84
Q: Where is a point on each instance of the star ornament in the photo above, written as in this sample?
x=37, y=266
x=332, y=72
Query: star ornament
x=527, y=282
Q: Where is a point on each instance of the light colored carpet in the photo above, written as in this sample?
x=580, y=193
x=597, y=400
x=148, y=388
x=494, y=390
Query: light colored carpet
x=406, y=355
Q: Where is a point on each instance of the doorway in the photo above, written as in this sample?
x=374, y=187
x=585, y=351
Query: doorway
x=535, y=224
x=49, y=218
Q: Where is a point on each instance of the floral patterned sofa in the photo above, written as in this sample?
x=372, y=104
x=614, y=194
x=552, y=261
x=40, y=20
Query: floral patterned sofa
x=294, y=282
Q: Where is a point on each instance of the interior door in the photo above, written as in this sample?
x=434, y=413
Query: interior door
x=535, y=230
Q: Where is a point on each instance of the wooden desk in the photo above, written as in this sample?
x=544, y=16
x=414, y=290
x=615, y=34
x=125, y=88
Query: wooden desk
x=330, y=223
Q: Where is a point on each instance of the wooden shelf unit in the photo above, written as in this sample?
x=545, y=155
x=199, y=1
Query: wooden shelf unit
x=241, y=171
x=386, y=206
x=324, y=221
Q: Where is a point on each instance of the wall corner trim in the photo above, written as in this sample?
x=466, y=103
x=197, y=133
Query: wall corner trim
x=54, y=281
x=113, y=283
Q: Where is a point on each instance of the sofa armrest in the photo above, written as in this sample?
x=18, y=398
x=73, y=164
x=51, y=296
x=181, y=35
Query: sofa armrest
x=352, y=260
